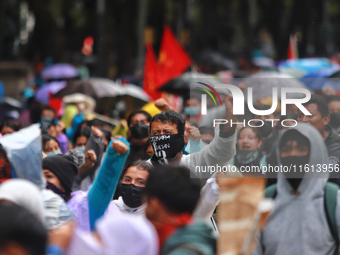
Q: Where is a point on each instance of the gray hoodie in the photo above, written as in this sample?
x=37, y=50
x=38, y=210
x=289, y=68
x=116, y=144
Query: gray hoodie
x=298, y=223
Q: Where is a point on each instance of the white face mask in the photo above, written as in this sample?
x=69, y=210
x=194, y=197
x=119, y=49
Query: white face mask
x=53, y=153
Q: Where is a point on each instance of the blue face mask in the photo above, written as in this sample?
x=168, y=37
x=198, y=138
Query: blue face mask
x=53, y=153
x=192, y=110
x=80, y=149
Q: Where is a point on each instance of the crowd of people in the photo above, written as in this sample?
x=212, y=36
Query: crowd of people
x=73, y=186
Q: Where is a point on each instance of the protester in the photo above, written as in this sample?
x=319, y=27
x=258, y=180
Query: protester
x=171, y=197
x=95, y=142
x=207, y=134
x=248, y=152
x=299, y=214
x=60, y=172
x=50, y=145
x=48, y=111
x=21, y=233
x=139, y=135
x=138, y=116
x=167, y=131
x=319, y=119
x=333, y=103
x=80, y=138
x=192, y=107
x=132, y=186
x=334, y=110
x=89, y=206
x=8, y=127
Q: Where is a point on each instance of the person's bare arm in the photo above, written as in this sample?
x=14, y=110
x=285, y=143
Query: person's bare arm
x=163, y=105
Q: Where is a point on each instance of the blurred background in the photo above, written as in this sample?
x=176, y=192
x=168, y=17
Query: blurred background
x=228, y=39
x=37, y=31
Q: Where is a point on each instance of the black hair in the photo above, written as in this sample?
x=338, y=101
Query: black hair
x=206, y=130
x=294, y=135
x=174, y=188
x=256, y=130
x=10, y=124
x=332, y=98
x=46, y=138
x=19, y=226
x=48, y=108
x=146, y=146
x=171, y=116
x=82, y=131
x=140, y=164
x=321, y=104
x=134, y=113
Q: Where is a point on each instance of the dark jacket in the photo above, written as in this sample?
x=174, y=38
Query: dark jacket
x=197, y=238
x=333, y=147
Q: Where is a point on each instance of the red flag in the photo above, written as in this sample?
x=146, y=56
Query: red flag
x=173, y=59
x=292, y=49
x=152, y=76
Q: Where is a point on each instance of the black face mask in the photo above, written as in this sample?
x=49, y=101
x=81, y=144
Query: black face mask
x=56, y=190
x=131, y=194
x=46, y=122
x=297, y=161
x=166, y=147
x=335, y=120
x=139, y=131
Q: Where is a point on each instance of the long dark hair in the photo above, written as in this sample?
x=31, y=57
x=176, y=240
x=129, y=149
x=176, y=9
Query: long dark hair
x=82, y=131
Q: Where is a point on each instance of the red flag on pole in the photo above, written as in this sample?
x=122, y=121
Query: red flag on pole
x=292, y=49
x=152, y=76
x=173, y=59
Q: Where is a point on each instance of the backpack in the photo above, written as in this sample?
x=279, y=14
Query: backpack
x=330, y=202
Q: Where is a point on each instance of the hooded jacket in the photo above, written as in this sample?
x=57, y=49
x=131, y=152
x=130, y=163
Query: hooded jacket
x=197, y=238
x=298, y=222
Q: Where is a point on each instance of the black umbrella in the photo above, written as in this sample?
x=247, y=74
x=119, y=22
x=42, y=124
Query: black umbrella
x=189, y=81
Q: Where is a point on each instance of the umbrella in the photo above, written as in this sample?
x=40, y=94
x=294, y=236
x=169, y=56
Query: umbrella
x=317, y=79
x=88, y=101
x=189, y=81
x=8, y=104
x=93, y=87
x=308, y=65
x=59, y=71
x=216, y=59
x=264, y=62
x=135, y=92
x=263, y=82
x=294, y=72
x=43, y=94
x=133, y=96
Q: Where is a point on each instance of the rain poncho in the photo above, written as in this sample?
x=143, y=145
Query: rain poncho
x=23, y=150
x=123, y=234
x=298, y=222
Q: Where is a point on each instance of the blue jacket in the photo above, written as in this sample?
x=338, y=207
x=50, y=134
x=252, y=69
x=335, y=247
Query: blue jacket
x=105, y=183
